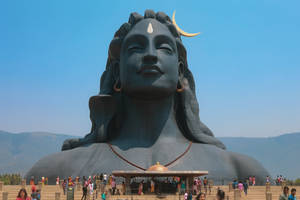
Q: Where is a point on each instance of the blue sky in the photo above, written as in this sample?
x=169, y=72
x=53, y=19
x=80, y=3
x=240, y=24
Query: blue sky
x=246, y=62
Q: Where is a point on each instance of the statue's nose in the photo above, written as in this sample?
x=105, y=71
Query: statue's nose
x=150, y=56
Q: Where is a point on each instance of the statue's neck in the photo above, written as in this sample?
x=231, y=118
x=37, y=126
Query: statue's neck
x=146, y=122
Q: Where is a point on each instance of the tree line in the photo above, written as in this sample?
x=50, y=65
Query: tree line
x=11, y=179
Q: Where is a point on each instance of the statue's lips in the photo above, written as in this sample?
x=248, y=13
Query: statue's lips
x=149, y=69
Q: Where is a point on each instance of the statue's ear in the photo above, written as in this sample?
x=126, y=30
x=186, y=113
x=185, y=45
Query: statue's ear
x=180, y=70
x=116, y=70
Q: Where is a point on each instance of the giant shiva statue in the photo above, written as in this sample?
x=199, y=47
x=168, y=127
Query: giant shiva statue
x=147, y=112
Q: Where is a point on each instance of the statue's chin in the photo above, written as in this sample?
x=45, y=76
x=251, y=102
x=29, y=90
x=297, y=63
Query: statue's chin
x=151, y=92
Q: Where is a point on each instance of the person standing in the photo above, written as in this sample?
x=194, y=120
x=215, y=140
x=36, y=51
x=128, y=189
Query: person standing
x=220, y=195
x=123, y=188
x=245, y=185
x=240, y=187
x=190, y=196
x=205, y=184
x=253, y=181
x=38, y=194
x=199, y=183
x=43, y=181
x=103, y=196
x=140, y=192
x=182, y=187
x=95, y=189
x=105, y=178
x=293, y=194
x=152, y=186
x=185, y=197
x=64, y=186
x=31, y=180
x=277, y=180
x=285, y=194
x=195, y=189
x=268, y=179
x=113, y=185
x=210, y=184
x=33, y=193
x=91, y=188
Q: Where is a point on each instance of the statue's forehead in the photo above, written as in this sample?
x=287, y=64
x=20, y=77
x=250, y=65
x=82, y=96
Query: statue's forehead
x=150, y=27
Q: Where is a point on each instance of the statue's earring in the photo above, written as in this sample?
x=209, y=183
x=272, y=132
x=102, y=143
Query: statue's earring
x=117, y=86
x=180, y=87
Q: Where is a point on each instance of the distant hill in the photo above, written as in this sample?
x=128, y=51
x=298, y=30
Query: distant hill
x=279, y=155
x=18, y=152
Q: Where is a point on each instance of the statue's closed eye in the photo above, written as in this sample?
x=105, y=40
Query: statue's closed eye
x=165, y=47
x=134, y=48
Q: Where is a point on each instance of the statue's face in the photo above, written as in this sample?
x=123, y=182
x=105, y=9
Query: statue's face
x=149, y=61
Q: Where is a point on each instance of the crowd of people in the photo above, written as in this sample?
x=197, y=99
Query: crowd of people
x=280, y=180
x=243, y=185
x=201, y=187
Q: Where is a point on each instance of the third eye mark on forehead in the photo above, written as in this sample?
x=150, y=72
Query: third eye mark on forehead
x=150, y=28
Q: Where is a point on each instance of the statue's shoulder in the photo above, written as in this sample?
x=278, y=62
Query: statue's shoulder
x=219, y=162
x=68, y=162
x=247, y=166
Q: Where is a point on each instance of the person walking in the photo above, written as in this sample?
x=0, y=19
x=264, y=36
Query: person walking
x=285, y=194
x=84, y=188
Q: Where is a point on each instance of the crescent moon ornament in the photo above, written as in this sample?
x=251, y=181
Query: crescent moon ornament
x=180, y=30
